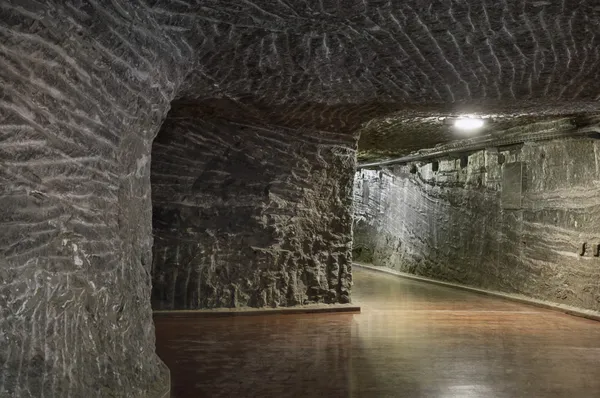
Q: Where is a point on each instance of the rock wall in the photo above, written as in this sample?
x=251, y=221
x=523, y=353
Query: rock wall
x=83, y=91
x=249, y=214
x=481, y=225
x=85, y=86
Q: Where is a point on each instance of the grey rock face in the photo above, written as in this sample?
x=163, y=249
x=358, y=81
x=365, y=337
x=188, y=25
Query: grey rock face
x=483, y=226
x=85, y=86
x=250, y=214
x=83, y=91
x=408, y=54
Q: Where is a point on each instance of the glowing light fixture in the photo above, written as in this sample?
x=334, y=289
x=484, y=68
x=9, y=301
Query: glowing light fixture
x=468, y=124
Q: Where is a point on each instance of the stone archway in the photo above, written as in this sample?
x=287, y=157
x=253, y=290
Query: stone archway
x=84, y=90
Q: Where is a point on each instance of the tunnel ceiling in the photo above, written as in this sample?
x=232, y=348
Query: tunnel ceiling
x=404, y=133
x=340, y=64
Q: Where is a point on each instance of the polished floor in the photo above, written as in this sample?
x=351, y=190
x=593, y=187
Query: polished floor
x=412, y=339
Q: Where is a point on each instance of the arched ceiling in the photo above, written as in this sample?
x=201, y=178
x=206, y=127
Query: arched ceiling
x=355, y=61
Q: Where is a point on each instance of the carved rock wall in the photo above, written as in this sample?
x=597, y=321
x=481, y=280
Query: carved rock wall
x=249, y=214
x=85, y=85
x=83, y=91
x=470, y=225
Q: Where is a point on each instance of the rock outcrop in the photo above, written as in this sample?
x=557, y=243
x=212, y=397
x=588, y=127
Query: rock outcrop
x=250, y=214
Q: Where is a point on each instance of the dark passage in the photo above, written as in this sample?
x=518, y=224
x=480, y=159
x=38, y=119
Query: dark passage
x=412, y=339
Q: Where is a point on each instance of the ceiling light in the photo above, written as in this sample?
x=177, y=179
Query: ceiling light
x=468, y=124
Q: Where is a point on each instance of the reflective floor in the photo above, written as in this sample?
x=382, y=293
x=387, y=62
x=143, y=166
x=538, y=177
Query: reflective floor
x=412, y=339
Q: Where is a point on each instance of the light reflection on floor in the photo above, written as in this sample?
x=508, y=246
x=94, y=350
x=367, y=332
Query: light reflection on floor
x=412, y=339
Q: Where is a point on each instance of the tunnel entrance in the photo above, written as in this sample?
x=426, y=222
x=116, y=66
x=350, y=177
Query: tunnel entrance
x=495, y=219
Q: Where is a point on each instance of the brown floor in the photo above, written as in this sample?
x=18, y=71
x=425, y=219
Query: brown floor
x=412, y=339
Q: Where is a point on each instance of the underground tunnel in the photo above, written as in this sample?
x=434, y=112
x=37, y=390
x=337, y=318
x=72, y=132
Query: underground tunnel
x=198, y=196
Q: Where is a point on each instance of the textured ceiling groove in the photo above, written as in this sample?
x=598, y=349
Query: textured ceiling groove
x=340, y=64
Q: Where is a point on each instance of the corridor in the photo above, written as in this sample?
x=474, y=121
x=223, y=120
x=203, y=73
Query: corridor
x=412, y=339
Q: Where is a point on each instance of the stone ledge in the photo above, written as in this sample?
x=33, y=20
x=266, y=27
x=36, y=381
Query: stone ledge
x=229, y=312
x=167, y=392
x=567, y=309
x=162, y=389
